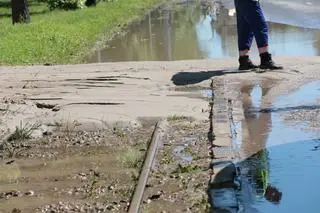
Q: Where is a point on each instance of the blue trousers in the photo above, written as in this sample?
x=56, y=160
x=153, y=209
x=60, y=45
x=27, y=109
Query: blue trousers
x=250, y=23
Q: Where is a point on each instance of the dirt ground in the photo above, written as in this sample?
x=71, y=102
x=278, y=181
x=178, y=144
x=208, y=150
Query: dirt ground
x=180, y=177
x=74, y=137
x=72, y=171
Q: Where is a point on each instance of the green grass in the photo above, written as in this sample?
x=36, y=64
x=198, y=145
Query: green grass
x=130, y=157
x=61, y=37
x=187, y=168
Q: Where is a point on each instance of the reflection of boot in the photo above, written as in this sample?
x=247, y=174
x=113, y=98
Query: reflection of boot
x=273, y=194
x=268, y=63
x=246, y=63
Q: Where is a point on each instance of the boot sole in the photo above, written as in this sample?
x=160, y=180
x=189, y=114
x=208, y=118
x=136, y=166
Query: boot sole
x=268, y=68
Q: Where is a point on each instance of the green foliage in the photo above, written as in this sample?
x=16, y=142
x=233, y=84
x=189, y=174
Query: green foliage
x=261, y=175
x=187, y=168
x=66, y=4
x=23, y=132
x=130, y=157
x=61, y=37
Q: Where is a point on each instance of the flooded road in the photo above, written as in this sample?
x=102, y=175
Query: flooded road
x=205, y=31
x=280, y=173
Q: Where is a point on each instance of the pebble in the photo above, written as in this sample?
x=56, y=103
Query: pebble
x=111, y=188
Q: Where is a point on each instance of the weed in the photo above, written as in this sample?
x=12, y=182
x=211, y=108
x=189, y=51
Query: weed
x=118, y=132
x=70, y=127
x=166, y=156
x=92, y=187
x=9, y=172
x=67, y=128
x=199, y=186
x=185, y=183
x=201, y=204
x=134, y=175
x=124, y=191
x=188, y=150
x=24, y=132
x=189, y=168
x=213, y=137
x=130, y=157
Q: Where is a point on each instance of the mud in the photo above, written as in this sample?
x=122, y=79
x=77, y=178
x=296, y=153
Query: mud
x=180, y=174
x=72, y=171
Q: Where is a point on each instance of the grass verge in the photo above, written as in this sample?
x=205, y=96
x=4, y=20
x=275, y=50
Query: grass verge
x=61, y=37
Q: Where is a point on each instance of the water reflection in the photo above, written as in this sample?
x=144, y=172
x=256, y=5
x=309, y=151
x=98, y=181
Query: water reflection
x=256, y=168
x=198, y=31
x=280, y=171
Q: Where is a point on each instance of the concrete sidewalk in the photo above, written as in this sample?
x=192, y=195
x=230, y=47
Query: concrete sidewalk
x=95, y=95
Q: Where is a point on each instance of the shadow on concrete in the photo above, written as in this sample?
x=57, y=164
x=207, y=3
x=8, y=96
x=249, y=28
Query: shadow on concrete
x=287, y=109
x=187, y=78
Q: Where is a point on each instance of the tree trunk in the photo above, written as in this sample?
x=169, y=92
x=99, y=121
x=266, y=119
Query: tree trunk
x=91, y=3
x=20, y=11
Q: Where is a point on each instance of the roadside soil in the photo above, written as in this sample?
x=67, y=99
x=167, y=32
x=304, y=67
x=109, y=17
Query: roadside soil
x=180, y=177
x=73, y=171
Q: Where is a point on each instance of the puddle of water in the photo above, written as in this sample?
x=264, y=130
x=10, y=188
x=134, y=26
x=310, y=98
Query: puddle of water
x=284, y=11
x=207, y=93
x=182, y=152
x=305, y=95
x=194, y=31
x=281, y=171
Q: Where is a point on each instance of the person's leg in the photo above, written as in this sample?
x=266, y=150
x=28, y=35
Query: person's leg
x=255, y=17
x=245, y=38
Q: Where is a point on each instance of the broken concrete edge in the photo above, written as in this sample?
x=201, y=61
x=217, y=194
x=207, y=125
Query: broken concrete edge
x=222, y=188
